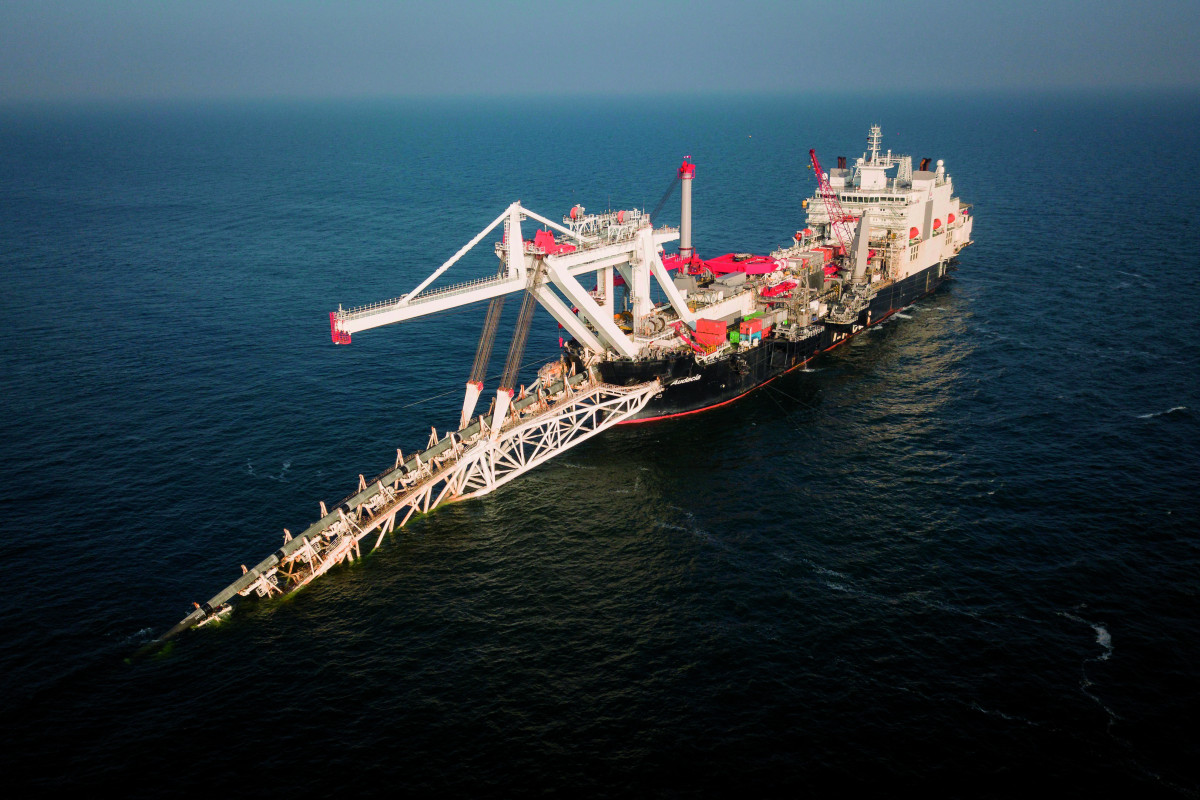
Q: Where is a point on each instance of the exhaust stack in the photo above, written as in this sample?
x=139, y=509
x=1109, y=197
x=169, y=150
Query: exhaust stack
x=686, y=173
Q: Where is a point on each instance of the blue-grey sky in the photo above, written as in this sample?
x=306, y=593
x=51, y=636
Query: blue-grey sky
x=58, y=49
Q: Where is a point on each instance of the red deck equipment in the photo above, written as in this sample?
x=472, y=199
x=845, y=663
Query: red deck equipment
x=545, y=241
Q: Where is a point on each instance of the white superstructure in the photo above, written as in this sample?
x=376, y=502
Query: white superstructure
x=914, y=218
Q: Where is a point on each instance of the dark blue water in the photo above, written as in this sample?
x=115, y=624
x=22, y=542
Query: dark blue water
x=961, y=555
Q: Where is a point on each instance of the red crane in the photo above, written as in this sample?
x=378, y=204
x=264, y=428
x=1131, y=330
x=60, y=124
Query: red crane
x=837, y=216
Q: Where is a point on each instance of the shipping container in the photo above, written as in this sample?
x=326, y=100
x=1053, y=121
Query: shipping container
x=750, y=326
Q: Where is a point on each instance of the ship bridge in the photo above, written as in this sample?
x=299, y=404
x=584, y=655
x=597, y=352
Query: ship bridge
x=915, y=219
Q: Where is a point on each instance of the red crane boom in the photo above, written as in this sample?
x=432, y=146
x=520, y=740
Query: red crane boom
x=837, y=216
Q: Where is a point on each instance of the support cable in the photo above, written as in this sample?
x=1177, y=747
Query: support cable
x=538, y=361
x=516, y=350
x=486, y=339
x=666, y=196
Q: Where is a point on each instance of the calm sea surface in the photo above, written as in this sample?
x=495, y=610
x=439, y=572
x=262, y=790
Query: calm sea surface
x=959, y=555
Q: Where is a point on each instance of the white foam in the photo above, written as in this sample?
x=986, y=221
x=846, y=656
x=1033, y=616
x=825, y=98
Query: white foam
x=695, y=530
x=144, y=635
x=1002, y=715
x=1104, y=640
x=902, y=315
x=280, y=478
x=825, y=570
x=1103, y=637
x=1171, y=410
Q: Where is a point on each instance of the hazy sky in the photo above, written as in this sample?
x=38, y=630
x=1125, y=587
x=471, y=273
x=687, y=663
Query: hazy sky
x=52, y=49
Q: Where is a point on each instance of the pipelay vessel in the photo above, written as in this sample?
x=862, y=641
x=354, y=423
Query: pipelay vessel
x=689, y=334
x=873, y=244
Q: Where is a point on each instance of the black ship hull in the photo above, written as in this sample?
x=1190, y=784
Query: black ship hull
x=691, y=386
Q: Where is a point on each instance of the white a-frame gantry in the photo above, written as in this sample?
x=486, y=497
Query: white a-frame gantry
x=587, y=244
x=598, y=244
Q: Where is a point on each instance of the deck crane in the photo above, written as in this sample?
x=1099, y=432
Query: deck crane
x=838, y=218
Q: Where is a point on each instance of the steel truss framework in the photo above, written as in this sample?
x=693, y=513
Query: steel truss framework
x=600, y=243
x=467, y=468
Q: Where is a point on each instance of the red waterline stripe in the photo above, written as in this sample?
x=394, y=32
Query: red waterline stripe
x=716, y=405
x=838, y=343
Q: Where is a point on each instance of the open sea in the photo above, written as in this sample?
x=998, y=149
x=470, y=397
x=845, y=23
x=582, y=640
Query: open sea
x=961, y=555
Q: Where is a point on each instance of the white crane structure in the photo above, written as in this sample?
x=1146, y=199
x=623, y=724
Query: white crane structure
x=599, y=243
x=616, y=242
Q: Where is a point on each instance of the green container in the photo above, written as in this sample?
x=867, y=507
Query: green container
x=755, y=315
x=735, y=337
